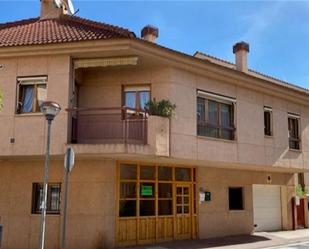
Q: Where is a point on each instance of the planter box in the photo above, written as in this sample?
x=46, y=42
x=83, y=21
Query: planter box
x=159, y=135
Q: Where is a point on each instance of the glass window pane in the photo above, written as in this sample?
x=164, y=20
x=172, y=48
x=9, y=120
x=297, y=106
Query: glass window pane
x=165, y=190
x=200, y=109
x=235, y=199
x=147, y=173
x=130, y=99
x=183, y=174
x=225, y=115
x=147, y=208
x=212, y=112
x=128, y=172
x=127, y=208
x=128, y=190
x=144, y=98
x=179, y=191
x=165, y=207
x=186, y=200
x=55, y=198
x=179, y=209
x=27, y=98
x=179, y=200
x=41, y=95
x=186, y=209
x=165, y=173
x=227, y=134
x=147, y=190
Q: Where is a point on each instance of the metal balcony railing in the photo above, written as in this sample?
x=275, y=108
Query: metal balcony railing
x=115, y=125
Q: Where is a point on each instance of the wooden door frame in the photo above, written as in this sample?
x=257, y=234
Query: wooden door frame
x=192, y=184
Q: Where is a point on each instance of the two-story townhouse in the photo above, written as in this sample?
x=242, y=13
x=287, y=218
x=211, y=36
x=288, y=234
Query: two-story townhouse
x=226, y=163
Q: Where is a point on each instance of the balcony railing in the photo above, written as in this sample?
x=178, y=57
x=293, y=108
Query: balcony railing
x=116, y=125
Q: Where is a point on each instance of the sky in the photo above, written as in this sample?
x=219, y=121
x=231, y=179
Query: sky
x=277, y=31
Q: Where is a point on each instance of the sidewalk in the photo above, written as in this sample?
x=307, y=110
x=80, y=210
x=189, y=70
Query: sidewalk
x=255, y=241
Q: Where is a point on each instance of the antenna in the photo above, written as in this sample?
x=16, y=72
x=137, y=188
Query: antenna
x=67, y=4
x=70, y=7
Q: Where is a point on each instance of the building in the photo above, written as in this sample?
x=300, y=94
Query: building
x=226, y=163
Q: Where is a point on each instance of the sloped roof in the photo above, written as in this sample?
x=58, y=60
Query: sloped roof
x=35, y=31
x=251, y=72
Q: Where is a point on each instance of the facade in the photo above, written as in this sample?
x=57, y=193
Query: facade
x=226, y=163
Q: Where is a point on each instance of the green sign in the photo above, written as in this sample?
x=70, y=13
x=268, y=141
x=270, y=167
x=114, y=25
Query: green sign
x=207, y=196
x=146, y=190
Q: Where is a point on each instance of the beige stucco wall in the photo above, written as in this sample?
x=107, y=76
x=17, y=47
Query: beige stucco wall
x=215, y=218
x=102, y=88
x=250, y=146
x=91, y=204
x=30, y=129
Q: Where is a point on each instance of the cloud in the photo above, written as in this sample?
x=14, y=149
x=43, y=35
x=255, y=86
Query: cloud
x=262, y=21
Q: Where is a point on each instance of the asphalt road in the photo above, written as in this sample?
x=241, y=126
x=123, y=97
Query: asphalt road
x=302, y=245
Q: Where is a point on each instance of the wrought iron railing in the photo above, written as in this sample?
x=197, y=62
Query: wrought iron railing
x=108, y=125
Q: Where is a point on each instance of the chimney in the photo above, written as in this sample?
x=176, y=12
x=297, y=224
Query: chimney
x=49, y=10
x=241, y=49
x=150, y=33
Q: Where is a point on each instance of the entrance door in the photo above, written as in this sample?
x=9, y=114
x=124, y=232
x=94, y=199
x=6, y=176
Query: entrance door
x=183, y=211
x=301, y=214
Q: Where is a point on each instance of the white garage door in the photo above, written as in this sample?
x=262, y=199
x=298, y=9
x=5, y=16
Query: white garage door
x=267, y=207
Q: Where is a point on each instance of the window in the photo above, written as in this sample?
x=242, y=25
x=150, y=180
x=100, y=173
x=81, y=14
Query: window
x=147, y=190
x=136, y=96
x=31, y=94
x=236, y=198
x=53, y=198
x=215, y=118
x=293, y=125
x=268, y=120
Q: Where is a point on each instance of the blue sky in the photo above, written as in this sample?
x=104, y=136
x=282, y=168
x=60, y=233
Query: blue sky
x=277, y=31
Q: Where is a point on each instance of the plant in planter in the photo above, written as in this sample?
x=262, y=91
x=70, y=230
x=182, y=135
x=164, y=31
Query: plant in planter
x=162, y=108
x=300, y=191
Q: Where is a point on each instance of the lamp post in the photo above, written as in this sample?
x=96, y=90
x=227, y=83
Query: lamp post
x=50, y=110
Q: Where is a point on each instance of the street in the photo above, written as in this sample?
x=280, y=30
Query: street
x=302, y=245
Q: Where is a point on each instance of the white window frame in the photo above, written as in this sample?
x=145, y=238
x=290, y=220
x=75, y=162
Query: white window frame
x=23, y=81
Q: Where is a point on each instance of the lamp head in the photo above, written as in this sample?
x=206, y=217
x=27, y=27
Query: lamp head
x=50, y=109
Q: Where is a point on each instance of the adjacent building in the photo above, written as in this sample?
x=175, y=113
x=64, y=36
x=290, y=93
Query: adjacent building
x=227, y=162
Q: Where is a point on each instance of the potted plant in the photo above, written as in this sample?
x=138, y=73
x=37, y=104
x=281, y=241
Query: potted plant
x=162, y=108
x=300, y=193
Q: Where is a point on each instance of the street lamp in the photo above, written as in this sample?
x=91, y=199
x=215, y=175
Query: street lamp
x=50, y=110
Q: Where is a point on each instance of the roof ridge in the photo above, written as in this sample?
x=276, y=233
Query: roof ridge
x=97, y=24
x=18, y=23
x=251, y=70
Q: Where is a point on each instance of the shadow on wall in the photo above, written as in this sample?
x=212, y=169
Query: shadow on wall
x=207, y=243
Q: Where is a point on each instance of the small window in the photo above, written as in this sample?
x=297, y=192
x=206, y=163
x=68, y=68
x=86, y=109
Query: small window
x=236, y=198
x=294, y=138
x=136, y=97
x=53, y=198
x=215, y=119
x=268, y=121
x=183, y=174
x=31, y=93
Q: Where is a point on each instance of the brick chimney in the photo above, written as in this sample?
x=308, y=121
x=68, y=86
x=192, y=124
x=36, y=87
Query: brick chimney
x=241, y=50
x=49, y=10
x=150, y=33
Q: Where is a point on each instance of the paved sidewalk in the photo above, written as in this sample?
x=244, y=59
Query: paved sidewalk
x=255, y=241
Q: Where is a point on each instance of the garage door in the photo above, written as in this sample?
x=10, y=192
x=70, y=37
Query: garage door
x=267, y=207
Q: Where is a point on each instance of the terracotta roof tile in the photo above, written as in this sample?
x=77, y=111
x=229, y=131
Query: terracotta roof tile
x=65, y=29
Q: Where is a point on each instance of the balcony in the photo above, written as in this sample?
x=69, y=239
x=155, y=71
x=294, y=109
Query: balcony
x=116, y=125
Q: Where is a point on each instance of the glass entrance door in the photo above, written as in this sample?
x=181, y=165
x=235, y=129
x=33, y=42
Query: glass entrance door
x=183, y=211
